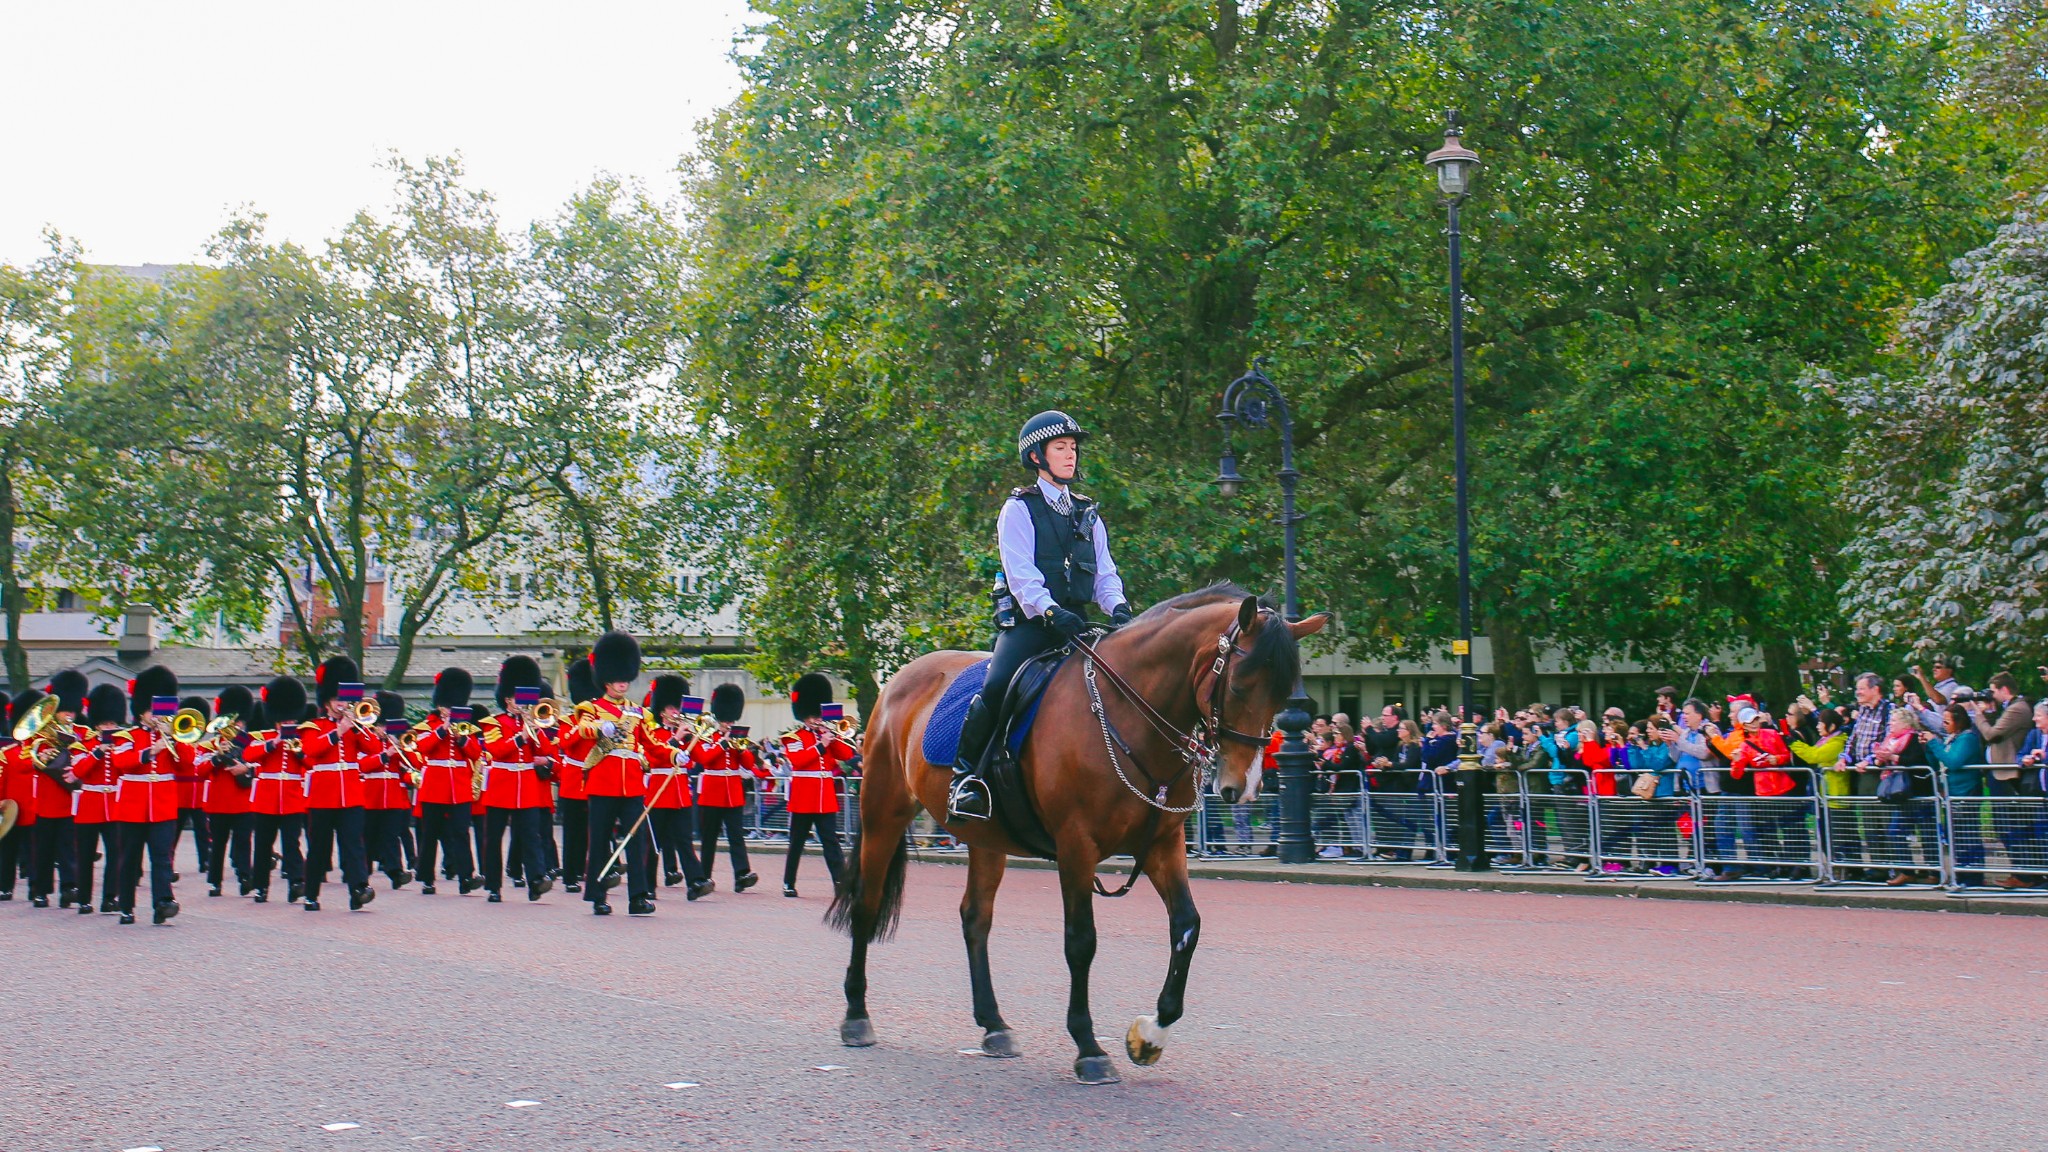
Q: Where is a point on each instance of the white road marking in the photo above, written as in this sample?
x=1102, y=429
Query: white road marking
x=522, y=1103
x=830, y=1067
x=681, y=1084
x=339, y=1127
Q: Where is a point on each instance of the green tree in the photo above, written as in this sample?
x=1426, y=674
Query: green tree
x=35, y=304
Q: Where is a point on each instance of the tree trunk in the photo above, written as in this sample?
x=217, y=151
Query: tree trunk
x=1514, y=662
x=1781, y=675
x=10, y=582
x=593, y=556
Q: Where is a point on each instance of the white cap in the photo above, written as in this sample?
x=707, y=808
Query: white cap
x=1747, y=716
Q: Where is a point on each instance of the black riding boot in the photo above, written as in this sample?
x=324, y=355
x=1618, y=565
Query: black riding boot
x=968, y=796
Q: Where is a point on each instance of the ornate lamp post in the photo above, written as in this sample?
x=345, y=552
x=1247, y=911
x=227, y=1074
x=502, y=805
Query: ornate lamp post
x=1255, y=402
x=1455, y=165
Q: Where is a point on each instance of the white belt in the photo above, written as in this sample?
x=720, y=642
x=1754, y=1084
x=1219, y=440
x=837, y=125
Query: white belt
x=663, y=771
x=501, y=766
x=624, y=754
x=312, y=768
x=723, y=772
x=447, y=763
x=98, y=787
x=150, y=778
x=816, y=775
x=380, y=776
x=277, y=775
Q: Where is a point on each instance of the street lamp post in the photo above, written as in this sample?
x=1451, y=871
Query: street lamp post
x=1254, y=401
x=1455, y=164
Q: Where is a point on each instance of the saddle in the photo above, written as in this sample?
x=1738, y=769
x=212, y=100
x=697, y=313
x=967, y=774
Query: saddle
x=1000, y=766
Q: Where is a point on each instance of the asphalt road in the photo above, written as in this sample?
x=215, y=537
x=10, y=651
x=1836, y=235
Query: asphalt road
x=1320, y=1017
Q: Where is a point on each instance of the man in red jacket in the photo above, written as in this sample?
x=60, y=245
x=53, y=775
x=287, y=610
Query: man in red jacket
x=448, y=781
x=53, y=850
x=146, y=763
x=92, y=815
x=522, y=759
x=330, y=754
x=17, y=783
x=666, y=745
x=602, y=737
x=224, y=793
x=723, y=765
x=191, y=775
x=387, y=770
x=277, y=796
x=573, y=799
x=815, y=753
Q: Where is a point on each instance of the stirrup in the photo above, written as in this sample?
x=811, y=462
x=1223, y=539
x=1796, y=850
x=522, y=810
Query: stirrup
x=968, y=798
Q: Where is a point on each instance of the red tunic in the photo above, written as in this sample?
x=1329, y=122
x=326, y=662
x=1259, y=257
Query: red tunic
x=813, y=770
x=18, y=782
x=93, y=803
x=718, y=785
x=225, y=793
x=384, y=771
x=328, y=758
x=620, y=773
x=510, y=779
x=668, y=768
x=568, y=769
x=447, y=775
x=280, y=788
x=191, y=772
x=145, y=777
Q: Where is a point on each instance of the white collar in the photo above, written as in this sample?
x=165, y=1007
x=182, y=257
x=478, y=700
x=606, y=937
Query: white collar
x=1053, y=491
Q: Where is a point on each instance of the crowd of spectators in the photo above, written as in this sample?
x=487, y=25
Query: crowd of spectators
x=1886, y=743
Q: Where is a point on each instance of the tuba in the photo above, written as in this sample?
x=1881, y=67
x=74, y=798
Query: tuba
x=188, y=726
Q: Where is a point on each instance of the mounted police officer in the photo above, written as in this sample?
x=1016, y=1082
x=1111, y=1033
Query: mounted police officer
x=1055, y=555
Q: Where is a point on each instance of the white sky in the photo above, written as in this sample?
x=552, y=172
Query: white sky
x=136, y=128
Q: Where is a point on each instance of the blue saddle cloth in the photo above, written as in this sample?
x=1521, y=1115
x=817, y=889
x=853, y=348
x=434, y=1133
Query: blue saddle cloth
x=942, y=732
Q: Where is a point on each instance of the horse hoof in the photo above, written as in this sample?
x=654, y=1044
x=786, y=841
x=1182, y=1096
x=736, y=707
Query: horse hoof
x=857, y=1033
x=1145, y=1043
x=1000, y=1044
x=1096, y=1070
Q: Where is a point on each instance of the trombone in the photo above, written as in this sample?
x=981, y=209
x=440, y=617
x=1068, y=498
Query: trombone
x=367, y=712
x=188, y=726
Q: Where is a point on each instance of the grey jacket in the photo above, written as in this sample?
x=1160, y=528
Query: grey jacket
x=2002, y=736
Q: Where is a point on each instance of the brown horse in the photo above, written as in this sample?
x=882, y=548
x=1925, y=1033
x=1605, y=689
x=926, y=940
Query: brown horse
x=1213, y=660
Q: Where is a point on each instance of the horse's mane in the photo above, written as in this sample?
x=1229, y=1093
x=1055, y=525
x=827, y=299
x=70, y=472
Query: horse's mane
x=1274, y=650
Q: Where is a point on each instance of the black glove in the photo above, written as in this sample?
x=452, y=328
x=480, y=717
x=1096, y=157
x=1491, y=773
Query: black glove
x=1067, y=624
x=1121, y=616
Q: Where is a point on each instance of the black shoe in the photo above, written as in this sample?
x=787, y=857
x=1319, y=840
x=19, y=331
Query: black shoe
x=494, y=898
x=644, y=906
x=127, y=917
x=293, y=893
x=175, y=877
x=108, y=906
x=519, y=881
x=400, y=879
x=701, y=889
x=263, y=895
x=600, y=909
x=744, y=881
x=7, y=895
x=967, y=797
x=39, y=901
x=426, y=889
x=213, y=890
x=572, y=886
x=538, y=889
x=789, y=890
x=312, y=905
x=66, y=897
x=85, y=909
x=360, y=896
x=165, y=909
x=247, y=887
x=470, y=884
x=671, y=879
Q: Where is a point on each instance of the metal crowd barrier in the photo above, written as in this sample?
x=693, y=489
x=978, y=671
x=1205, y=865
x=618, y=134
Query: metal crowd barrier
x=1649, y=839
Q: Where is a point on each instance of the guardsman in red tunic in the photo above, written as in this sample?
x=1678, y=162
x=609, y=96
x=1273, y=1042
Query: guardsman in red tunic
x=722, y=765
x=224, y=793
x=522, y=758
x=573, y=800
x=602, y=737
x=17, y=785
x=192, y=773
x=277, y=798
x=330, y=751
x=666, y=745
x=447, y=781
x=53, y=851
x=146, y=762
x=388, y=772
x=816, y=752
x=92, y=806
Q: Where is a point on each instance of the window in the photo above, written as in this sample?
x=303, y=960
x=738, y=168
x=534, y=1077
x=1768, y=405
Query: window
x=69, y=601
x=1437, y=693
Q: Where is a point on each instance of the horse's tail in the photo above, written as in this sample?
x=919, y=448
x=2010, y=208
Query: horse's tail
x=848, y=913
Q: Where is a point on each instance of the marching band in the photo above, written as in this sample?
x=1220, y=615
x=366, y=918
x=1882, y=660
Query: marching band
x=94, y=782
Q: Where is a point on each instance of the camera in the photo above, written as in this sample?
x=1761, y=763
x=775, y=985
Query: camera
x=1965, y=696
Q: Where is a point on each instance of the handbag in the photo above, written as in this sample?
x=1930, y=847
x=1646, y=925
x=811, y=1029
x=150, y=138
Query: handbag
x=1644, y=786
x=1894, y=787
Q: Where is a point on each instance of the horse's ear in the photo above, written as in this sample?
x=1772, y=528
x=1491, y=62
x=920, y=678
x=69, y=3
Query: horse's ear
x=1247, y=613
x=1310, y=626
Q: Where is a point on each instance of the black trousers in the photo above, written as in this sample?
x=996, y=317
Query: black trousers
x=575, y=836
x=610, y=817
x=101, y=838
x=408, y=843
x=202, y=832
x=445, y=826
x=1013, y=647
x=674, y=833
x=529, y=833
x=801, y=824
x=710, y=821
x=53, y=854
x=230, y=835
x=325, y=829
x=266, y=830
x=548, y=850
x=15, y=857
x=383, y=840
x=160, y=839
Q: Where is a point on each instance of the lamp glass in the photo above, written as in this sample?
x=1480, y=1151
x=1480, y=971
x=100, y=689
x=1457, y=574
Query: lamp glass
x=1451, y=176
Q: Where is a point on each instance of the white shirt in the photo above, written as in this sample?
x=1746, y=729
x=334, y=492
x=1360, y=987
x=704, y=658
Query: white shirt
x=1017, y=540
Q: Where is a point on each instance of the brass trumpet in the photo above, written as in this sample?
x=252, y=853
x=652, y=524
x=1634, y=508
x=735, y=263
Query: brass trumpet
x=367, y=711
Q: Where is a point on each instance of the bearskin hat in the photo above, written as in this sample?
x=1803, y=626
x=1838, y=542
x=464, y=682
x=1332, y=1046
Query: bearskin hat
x=153, y=681
x=515, y=673
x=199, y=704
x=235, y=700
x=284, y=700
x=615, y=659
x=332, y=673
x=667, y=691
x=811, y=692
x=390, y=706
x=17, y=709
x=452, y=687
x=70, y=687
x=581, y=686
x=727, y=702
x=105, y=704
x=257, y=718
x=478, y=713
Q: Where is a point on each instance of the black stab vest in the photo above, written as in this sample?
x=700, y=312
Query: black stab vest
x=1063, y=547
